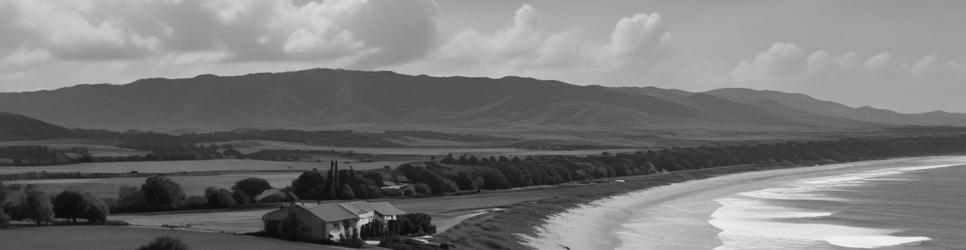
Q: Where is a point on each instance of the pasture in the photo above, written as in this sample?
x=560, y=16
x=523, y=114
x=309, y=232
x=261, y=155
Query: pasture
x=96, y=148
x=127, y=238
x=192, y=184
x=192, y=166
x=249, y=146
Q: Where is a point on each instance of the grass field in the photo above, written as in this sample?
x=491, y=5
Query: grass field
x=192, y=166
x=248, y=146
x=97, y=148
x=192, y=184
x=128, y=238
x=447, y=211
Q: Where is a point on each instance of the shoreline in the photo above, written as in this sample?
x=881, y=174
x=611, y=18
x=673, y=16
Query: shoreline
x=513, y=227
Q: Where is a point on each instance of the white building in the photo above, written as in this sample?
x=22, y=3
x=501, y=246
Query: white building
x=330, y=221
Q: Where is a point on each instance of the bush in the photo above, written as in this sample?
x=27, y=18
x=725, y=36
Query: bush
x=241, y=198
x=414, y=223
x=162, y=193
x=130, y=198
x=252, y=186
x=422, y=188
x=165, y=243
x=12, y=209
x=219, y=197
x=195, y=202
x=347, y=193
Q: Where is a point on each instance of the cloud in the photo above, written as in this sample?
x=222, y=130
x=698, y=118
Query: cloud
x=790, y=63
x=349, y=32
x=879, y=79
x=523, y=48
x=635, y=36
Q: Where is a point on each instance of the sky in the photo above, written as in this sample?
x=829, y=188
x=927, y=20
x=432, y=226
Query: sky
x=909, y=56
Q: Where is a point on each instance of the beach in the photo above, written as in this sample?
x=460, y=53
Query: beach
x=776, y=209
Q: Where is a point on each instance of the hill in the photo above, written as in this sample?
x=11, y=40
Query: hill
x=804, y=103
x=343, y=99
x=15, y=127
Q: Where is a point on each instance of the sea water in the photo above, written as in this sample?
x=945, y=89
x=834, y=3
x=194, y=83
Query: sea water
x=913, y=203
x=916, y=205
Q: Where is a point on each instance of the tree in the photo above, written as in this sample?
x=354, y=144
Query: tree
x=376, y=178
x=130, y=198
x=241, y=198
x=70, y=205
x=219, y=197
x=309, y=185
x=36, y=206
x=162, y=193
x=252, y=186
x=3, y=192
x=165, y=243
x=347, y=193
x=415, y=223
x=4, y=219
x=96, y=210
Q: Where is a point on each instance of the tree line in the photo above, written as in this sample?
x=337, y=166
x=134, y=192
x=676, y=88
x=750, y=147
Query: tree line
x=41, y=208
x=469, y=172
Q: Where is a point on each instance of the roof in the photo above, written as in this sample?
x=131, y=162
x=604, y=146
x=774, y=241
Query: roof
x=384, y=208
x=276, y=215
x=357, y=207
x=339, y=211
x=332, y=212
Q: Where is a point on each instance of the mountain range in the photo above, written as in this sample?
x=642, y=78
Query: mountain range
x=328, y=98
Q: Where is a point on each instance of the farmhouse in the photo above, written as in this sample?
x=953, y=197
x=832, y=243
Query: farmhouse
x=330, y=221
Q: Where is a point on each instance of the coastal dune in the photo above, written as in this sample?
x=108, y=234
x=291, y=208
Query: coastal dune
x=729, y=212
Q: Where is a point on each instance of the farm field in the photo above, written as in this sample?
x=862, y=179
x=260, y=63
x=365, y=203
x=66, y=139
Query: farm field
x=447, y=211
x=96, y=148
x=127, y=238
x=192, y=184
x=191, y=166
x=249, y=146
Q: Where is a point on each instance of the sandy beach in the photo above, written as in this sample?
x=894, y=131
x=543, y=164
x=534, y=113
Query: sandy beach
x=674, y=216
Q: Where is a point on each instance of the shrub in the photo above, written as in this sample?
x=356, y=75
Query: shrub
x=422, y=188
x=414, y=223
x=219, y=197
x=165, y=243
x=241, y=198
x=130, y=198
x=162, y=193
x=347, y=193
x=13, y=210
x=195, y=202
x=252, y=186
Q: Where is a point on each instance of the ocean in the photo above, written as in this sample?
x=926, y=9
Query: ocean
x=911, y=203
